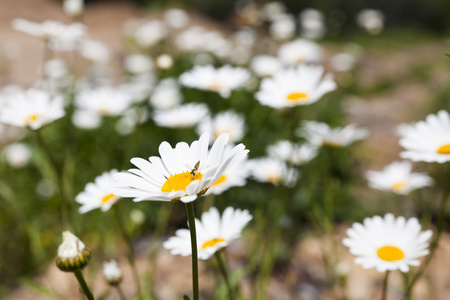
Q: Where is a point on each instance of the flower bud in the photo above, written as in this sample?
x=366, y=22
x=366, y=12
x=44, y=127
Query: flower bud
x=73, y=8
x=73, y=255
x=112, y=272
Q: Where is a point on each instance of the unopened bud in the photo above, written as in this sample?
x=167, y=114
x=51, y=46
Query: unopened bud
x=73, y=8
x=73, y=255
x=112, y=272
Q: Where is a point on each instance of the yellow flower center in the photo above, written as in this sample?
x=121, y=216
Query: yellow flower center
x=220, y=180
x=212, y=243
x=179, y=182
x=297, y=97
x=274, y=178
x=215, y=86
x=398, y=187
x=444, y=149
x=108, y=198
x=219, y=132
x=104, y=112
x=331, y=144
x=31, y=119
x=390, y=253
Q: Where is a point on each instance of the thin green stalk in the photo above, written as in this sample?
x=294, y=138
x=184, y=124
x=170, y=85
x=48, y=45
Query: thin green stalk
x=223, y=271
x=385, y=286
x=440, y=226
x=83, y=285
x=191, y=218
x=120, y=292
x=131, y=256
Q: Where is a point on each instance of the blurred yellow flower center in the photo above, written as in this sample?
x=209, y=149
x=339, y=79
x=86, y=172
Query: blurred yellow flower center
x=398, y=187
x=274, y=178
x=107, y=198
x=215, y=86
x=297, y=97
x=219, y=132
x=212, y=243
x=31, y=119
x=331, y=144
x=444, y=149
x=104, y=112
x=390, y=253
x=220, y=180
x=179, y=182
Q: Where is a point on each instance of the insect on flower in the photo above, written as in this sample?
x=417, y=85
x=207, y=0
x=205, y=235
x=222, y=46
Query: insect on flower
x=195, y=169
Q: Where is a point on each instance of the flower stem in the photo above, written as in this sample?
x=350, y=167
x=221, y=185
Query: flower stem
x=223, y=271
x=120, y=292
x=131, y=256
x=191, y=218
x=385, y=286
x=83, y=285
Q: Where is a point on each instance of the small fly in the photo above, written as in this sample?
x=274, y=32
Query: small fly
x=195, y=169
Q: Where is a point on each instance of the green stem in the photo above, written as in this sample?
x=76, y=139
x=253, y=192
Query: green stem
x=223, y=271
x=131, y=256
x=439, y=229
x=120, y=292
x=83, y=285
x=191, y=218
x=385, y=286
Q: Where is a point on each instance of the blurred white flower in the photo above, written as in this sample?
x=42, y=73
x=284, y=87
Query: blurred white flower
x=164, y=61
x=312, y=23
x=343, y=62
x=198, y=39
x=320, y=134
x=112, y=272
x=222, y=80
x=227, y=121
x=270, y=11
x=86, y=119
x=166, y=95
x=138, y=63
x=176, y=18
x=94, y=51
x=55, y=68
x=183, y=116
x=213, y=232
x=97, y=195
x=283, y=28
x=245, y=37
x=265, y=65
x=291, y=153
x=73, y=8
x=388, y=243
x=300, y=51
x=32, y=108
x=106, y=101
x=17, y=155
x=427, y=140
x=150, y=33
x=398, y=178
x=137, y=216
x=139, y=87
x=272, y=170
x=371, y=20
x=302, y=85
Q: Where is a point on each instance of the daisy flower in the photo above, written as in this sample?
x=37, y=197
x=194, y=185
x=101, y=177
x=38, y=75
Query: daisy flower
x=32, y=108
x=213, y=232
x=138, y=63
x=272, y=170
x=302, y=85
x=427, y=140
x=398, y=178
x=300, y=51
x=265, y=65
x=222, y=80
x=150, y=33
x=96, y=194
x=388, y=243
x=228, y=121
x=295, y=154
x=181, y=173
x=183, y=116
x=106, y=101
x=320, y=134
x=166, y=94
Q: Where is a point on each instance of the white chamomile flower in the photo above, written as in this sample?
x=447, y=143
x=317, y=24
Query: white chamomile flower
x=295, y=154
x=427, y=140
x=32, y=108
x=106, y=101
x=176, y=18
x=228, y=121
x=213, y=233
x=388, y=243
x=222, y=80
x=300, y=51
x=150, y=33
x=166, y=95
x=17, y=155
x=312, y=23
x=265, y=65
x=97, y=194
x=85, y=119
x=181, y=173
x=272, y=170
x=283, y=28
x=183, y=116
x=73, y=8
x=138, y=63
x=112, y=272
x=302, y=85
x=372, y=20
x=398, y=178
x=94, y=51
x=320, y=134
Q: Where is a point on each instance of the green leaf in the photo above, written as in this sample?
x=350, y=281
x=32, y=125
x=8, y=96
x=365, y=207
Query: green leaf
x=185, y=297
x=448, y=54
